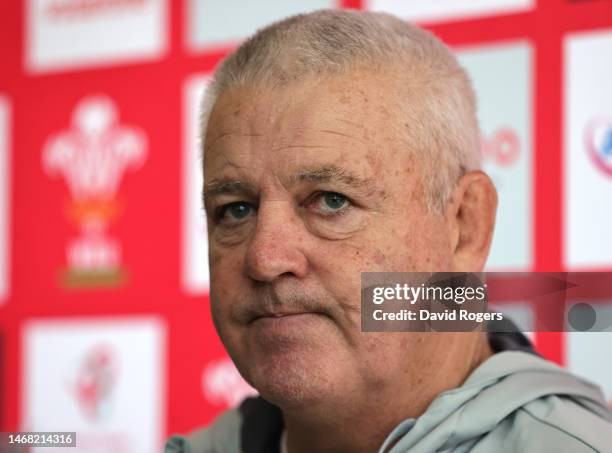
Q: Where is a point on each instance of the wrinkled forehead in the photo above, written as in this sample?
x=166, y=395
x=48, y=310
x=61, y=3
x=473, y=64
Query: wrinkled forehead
x=333, y=120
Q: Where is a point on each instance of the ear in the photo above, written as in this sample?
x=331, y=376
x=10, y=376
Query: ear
x=470, y=215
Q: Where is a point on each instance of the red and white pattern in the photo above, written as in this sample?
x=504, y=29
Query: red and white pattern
x=105, y=323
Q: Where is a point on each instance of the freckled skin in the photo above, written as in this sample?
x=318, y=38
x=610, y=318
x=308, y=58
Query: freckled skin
x=286, y=251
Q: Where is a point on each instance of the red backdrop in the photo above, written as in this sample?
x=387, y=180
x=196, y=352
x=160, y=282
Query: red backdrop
x=104, y=319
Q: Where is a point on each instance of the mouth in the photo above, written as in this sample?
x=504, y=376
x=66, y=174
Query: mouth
x=282, y=316
x=286, y=323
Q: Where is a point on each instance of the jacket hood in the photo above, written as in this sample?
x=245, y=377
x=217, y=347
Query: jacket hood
x=501, y=385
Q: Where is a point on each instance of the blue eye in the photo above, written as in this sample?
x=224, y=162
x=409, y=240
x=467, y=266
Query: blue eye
x=234, y=211
x=332, y=202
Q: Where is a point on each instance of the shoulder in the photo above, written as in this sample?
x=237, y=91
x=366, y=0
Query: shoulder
x=223, y=435
x=554, y=423
x=254, y=427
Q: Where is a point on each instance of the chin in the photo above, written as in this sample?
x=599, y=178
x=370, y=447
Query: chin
x=291, y=382
x=290, y=365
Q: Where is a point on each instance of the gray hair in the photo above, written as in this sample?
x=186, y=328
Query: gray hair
x=441, y=125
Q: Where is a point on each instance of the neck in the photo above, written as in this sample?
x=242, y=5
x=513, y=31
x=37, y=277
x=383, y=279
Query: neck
x=362, y=423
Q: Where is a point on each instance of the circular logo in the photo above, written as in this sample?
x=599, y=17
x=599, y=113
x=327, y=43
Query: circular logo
x=598, y=141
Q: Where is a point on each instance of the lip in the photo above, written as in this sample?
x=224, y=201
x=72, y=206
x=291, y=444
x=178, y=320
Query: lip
x=279, y=316
x=285, y=323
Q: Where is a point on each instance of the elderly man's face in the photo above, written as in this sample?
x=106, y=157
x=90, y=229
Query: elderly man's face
x=307, y=187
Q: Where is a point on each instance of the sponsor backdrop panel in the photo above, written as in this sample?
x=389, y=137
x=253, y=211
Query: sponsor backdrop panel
x=588, y=150
x=215, y=23
x=65, y=34
x=104, y=379
x=424, y=11
x=505, y=121
x=103, y=250
x=522, y=314
x=582, y=347
x=194, y=275
x=99, y=168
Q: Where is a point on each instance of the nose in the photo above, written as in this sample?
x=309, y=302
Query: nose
x=276, y=247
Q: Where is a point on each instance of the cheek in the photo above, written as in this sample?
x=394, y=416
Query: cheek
x=225, y=280
x=376, y=348
x=431, y=248
x=381, y=252
x=417, y=242
x=225, y=238
x=224, y=292
x=339, y=267
x=224, y=262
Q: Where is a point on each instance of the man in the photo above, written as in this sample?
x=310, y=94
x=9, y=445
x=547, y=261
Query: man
x=340, y=142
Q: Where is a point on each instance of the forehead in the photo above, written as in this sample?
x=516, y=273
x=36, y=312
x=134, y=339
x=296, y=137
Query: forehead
x=354, y=120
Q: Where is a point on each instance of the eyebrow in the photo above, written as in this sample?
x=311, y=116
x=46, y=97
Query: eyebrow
x=326, y=173
x=333, y=173
x=227, y=187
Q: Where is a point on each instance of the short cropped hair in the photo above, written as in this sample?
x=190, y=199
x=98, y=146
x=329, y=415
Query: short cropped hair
x=441, y=122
